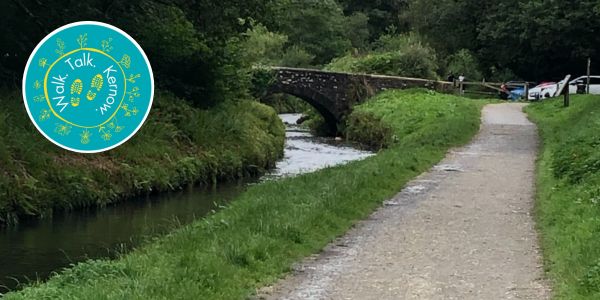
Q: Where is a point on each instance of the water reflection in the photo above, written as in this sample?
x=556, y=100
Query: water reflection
x=35, y=249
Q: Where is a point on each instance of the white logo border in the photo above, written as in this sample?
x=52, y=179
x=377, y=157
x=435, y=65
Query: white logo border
x=50, y=35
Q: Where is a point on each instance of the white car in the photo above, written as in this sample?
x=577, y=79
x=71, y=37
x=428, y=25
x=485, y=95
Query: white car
x=549, y=89
x=594, y=84
x=543, y=91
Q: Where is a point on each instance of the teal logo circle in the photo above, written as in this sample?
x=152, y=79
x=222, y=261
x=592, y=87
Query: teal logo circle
x=88, y=87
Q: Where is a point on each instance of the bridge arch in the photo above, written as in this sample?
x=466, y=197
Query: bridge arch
x=315, y=99
x=333, y=94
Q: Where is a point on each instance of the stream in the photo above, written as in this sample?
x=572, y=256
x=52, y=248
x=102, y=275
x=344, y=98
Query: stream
x=34, y=249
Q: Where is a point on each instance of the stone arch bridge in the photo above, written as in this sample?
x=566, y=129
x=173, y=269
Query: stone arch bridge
x=333, y=94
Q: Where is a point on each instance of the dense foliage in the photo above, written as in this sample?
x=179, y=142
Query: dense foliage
x=383, y=15
x=193, y=46
x=403, y=55
x=537, y=40
x=202, y=50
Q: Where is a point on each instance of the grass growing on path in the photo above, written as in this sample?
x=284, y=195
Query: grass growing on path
x=259, y=236
x=568, y=194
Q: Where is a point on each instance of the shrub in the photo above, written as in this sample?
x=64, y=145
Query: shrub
x=317, y=125
x=395, y=56
x=464, y=62
x=262, y=79
x=297, y=57
x=392, y=42
x=262, y=46
x=368, y=130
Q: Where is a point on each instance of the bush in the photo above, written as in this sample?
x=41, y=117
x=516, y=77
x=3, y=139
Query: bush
x=464, y=62
x=392, y=42
x=413, y=62
x=263, y=47
x=262, y=79
x=296, y=57
x=317, y=125
x=393, y=55
x=346, y=63
x=368, y=130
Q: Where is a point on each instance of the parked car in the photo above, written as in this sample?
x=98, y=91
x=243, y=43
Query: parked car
x=542, y=91
x=579, y=85
x=514, y=90
x=582, y=82
x=516, y=94
x=576, y=86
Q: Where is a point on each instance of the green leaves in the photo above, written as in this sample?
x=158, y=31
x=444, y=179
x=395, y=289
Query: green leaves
x=320, y=28
x=464, y=62
x=538, y=40
x=396, y=55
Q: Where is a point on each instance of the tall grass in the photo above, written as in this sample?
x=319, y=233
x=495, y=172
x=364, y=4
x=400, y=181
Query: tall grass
x=178, y=145
x=408, y=117
x=568, y=194
x=255, y=240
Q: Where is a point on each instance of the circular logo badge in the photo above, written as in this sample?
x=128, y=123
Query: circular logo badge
x=88, y=87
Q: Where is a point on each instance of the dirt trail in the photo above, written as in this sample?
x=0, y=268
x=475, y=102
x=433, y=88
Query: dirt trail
x=461, y=231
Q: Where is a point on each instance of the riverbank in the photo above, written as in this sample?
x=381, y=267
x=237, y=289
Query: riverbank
x=178, y=145
x=36, y=248
x=568, y=194
x=256, y=239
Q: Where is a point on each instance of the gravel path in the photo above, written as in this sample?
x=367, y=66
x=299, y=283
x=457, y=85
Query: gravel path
x=461, y=231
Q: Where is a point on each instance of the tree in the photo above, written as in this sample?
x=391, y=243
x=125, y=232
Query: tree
x=382, y=14
x=194, y=47
x=262, y=46
x=542, y=39
x=464, y=62
x=398, y=55
x=448, y=25
x=538, y=40
x=317, y=26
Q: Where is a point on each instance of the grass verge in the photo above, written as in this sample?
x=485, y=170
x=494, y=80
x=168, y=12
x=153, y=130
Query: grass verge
x=568, y=194
x=258, y=237
x=178, y=145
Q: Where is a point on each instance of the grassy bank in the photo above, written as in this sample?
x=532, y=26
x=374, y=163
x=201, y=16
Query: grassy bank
x=412, y=122
x=177, y=145
x=259, y=236
x=568, y=199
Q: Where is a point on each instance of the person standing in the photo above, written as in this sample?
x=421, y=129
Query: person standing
x=461, y=80
x=504, y=92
